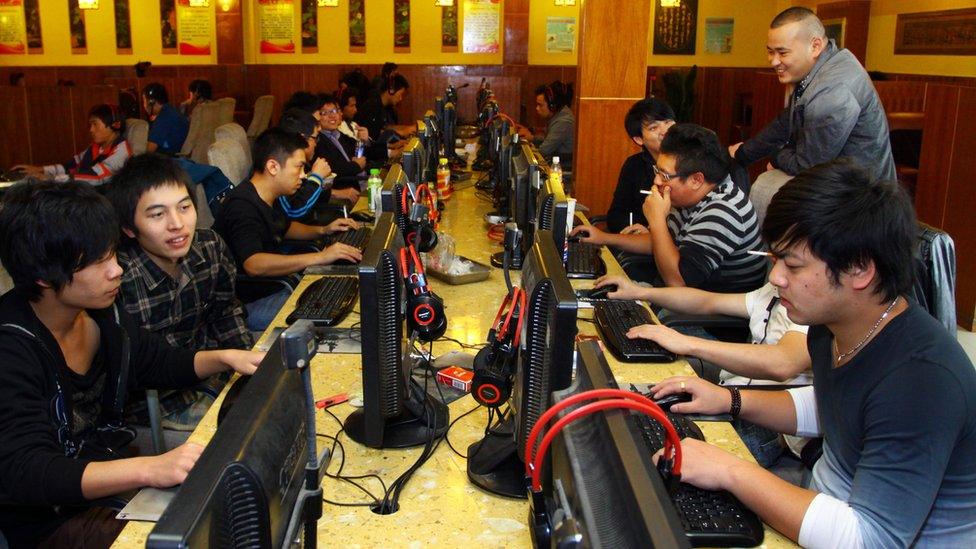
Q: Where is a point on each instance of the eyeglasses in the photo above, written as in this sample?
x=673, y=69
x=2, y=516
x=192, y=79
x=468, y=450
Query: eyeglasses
x=665, y=176
x=328, y=112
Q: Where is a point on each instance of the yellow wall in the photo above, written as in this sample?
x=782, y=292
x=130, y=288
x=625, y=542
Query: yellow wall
x=881, y=41
x=425, y=37
x=748, y=39
x=100, y=33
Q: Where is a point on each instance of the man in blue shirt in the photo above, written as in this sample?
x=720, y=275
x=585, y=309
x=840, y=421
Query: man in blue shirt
x=167, y=127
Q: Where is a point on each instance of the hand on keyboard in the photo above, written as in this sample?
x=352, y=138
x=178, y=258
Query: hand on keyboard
x=341, y=224
x=669, y=338
x=339, y=252
x=626, y=289
x=706, y=466
x=706, y=398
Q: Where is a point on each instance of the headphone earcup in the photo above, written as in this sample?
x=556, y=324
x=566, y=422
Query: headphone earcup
x=425, y=315
x=490, y=386
x=421, y=236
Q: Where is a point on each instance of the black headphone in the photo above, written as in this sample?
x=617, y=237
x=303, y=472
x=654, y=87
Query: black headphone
x=116, y=117
x=420, y=219
x=550, y=96
x=494, y=363
x=425, y=310
x=391, y=83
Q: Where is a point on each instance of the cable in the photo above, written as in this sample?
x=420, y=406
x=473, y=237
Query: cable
x=448, y=439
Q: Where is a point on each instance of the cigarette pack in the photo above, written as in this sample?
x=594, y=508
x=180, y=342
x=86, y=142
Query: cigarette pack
x=457, y=377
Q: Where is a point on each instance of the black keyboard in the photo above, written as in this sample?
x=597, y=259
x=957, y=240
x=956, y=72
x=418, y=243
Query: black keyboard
x=357, y=238
x=709, y=518
x=614, y=319
x=326, y=301
x=583, y=261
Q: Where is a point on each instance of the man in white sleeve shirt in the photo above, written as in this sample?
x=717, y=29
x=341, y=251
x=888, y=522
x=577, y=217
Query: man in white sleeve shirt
x=893, y=394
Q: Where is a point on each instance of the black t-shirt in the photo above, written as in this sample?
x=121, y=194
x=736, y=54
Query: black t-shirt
x=249, y=225
x=374, y=116
x=636, y=174
x=899, y=425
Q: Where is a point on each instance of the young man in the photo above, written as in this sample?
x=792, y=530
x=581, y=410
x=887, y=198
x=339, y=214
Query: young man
x=68, y=358
x=96, y=164
x=646, y=123
x=304, y=124
x=178, y=281
x=378, y=113
x=552, y=104
x=776, y=353
x=702, y=226
x=167, y=127
x=834, y=110
x=199, y=91
x=894, y=395
x=254, y=225
x=337, y=148
x=347, y=99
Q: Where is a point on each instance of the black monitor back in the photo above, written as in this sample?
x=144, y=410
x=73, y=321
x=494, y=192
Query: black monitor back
x=545, y=359
x=391, y=194
x=412, y=159
x=553, y=211
x=604, y=473
x=242, y=490
x=449, y=129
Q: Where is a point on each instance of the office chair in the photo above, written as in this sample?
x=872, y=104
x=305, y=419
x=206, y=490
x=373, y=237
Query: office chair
x=235, y=132
x=137, y=134
x=934, y=287
x=261, y=118
x=228, y=156
x=226, y=110
x=209, y=114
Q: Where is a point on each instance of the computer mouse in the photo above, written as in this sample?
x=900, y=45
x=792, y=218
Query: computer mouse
x=574, y=238
x=666, y=402
x=363, y=216
x=601, y=292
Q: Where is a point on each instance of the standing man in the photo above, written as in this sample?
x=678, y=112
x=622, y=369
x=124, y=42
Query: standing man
x=893, y=395
x=834, y=110
x=167, y=127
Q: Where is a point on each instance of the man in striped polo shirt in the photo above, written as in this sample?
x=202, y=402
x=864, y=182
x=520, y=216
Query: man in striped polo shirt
x=701, y=225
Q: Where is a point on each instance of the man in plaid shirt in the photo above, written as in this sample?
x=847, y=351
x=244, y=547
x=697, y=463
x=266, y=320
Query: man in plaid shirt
x=178, y=280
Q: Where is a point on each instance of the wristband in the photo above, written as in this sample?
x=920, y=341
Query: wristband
x=736, y=406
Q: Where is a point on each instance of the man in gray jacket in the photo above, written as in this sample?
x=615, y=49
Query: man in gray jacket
x=834, y=110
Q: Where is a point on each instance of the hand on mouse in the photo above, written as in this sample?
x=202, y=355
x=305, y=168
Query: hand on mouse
x=625, y=288
x=670, y=339
x=589, y=234
x=706, y=398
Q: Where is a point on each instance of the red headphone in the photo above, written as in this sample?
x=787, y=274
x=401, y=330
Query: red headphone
x=493, y=365
x=425, y=310
x=117, y=117
x=423, y=233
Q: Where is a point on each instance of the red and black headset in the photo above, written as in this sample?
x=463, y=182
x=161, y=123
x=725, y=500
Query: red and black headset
x=550, y=96
x=493, y=365
x=425, y=310
x=420, y=233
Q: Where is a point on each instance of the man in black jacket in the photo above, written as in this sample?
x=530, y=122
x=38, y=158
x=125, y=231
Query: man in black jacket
x=68, y=358
x=338, y=149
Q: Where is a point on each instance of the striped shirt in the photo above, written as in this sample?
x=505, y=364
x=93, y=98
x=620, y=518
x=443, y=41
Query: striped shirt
x=94, y=165
x=713, y=238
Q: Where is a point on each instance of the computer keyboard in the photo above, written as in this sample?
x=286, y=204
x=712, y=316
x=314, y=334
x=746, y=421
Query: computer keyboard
x=357, y=238
x=709, y=518
x=326, y=301
x=614, y=319
x=583, y=261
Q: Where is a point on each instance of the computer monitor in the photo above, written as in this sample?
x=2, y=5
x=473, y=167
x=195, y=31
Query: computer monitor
x=603, y=479
x=396, y=411
x=412, y=159
x=526, y=177
x=544, y=364
x=439, y=103
x=553, y=210
x=391, y=194
x=449, y=131
x=431, y=140
x=246, y=482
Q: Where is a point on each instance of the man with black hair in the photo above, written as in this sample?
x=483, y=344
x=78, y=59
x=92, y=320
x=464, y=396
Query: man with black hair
x=893, y=395
x=701, y=225
x=167, y=127
x=178, y=280
x=306, y=101
x=834, y=110
x=646, y=123
x=96, y=164
x=68, y=358
x=199, y=91
x=253, y=223
x=318, y=188
x=338, y=148
x=552, y=103
x=378, y=113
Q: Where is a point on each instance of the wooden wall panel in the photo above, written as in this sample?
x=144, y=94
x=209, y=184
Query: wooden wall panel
x=612, y=48
x=901, y=96
x=961, y=203
x=81, y=100
x=938, y=134
x=857, y=14
x=14, y=130
x=51, y=131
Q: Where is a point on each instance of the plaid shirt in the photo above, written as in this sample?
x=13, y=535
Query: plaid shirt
x=198, y=311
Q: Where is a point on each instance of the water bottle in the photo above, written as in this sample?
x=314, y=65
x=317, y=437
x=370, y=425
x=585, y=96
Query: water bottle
x=556, y=172
x=360, y=147
x=374, y=185
x=443, y=179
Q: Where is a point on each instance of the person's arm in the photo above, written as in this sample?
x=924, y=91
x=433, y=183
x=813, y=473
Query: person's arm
x=656, y=207
x=680, y=300
x=265, y=264
x=107, y=478
x=829, y=117
x=634, y=243
x=770, y=139
x=558, y=134
x=225, y=318
x=103, y=171
x=326, y=149
x=301, y=231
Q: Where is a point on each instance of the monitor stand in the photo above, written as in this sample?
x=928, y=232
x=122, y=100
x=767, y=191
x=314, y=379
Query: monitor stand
x=494, y=465
x=498, y=260
x=419, y=422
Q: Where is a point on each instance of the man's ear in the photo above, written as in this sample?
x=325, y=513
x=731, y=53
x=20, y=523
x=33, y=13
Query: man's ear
x=272, y=166
x=128, y=232
x=817, y=45
x=696, y=180
x=862, y=276
x=639, y=141
x=43, y=284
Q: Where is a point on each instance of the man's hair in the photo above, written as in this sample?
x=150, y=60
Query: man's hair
x=110, y=115
x=396, y=83
x=202, y=88
x=306, y=101
x=558, y=94
x=847, y=220
x=139, y=175
x=344, y=94
x=388, y=68
x=809, y=21
x=49, y=231
x=156, y=92
x=327, y=99
x=298, y=122
x=646, y=112
x=358, y=80
x=696, y=149
x=277, y=144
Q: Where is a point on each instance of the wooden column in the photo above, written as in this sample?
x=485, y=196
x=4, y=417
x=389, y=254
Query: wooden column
x=610, y=76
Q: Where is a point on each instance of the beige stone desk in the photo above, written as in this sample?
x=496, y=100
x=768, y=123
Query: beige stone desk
x=438, y=507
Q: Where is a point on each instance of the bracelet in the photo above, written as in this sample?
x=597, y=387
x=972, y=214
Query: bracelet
x=736, y=402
